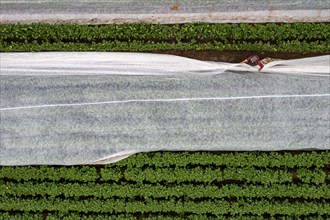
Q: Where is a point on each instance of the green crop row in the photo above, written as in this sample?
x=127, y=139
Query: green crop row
x=237, y=159
x=209, y=167
x=178, y=175
x=143, y=31
x=148, y=216
x=21, y=216
x=75, y=216
x=311, y=175
x=208, y=175
x=82, y=173
x=189, y=191
x=298, y=37
x=141, y=46
x=216, y=207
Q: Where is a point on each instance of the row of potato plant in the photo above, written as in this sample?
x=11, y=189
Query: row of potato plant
x=141, y=46
x=190, y=191
x=148, y=216
x=213, y=206
x=145, y=31
x=203, y=167
x=295, y=37
x=235, y=159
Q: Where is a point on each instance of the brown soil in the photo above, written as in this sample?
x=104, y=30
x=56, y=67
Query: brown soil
x=235, y=56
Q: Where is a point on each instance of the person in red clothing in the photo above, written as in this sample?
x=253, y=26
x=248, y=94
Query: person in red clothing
x=253, y=61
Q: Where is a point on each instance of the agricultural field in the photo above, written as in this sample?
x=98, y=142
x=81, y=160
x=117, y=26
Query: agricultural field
x=173, y=185
x=168, y=185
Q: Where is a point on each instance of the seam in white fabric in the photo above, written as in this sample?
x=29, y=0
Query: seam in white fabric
x=164, y=100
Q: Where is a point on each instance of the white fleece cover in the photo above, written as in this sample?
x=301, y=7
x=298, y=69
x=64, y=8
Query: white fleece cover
x=92, y=107
x=163, y=11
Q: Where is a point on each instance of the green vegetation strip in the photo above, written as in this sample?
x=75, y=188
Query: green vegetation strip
x=151, y=191
x=243, y=159
x=240, y=206
x=169, y=185
x=295, y=37
x=75, y=216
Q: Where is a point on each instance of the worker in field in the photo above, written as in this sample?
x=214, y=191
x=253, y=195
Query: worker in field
x=253, y=61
